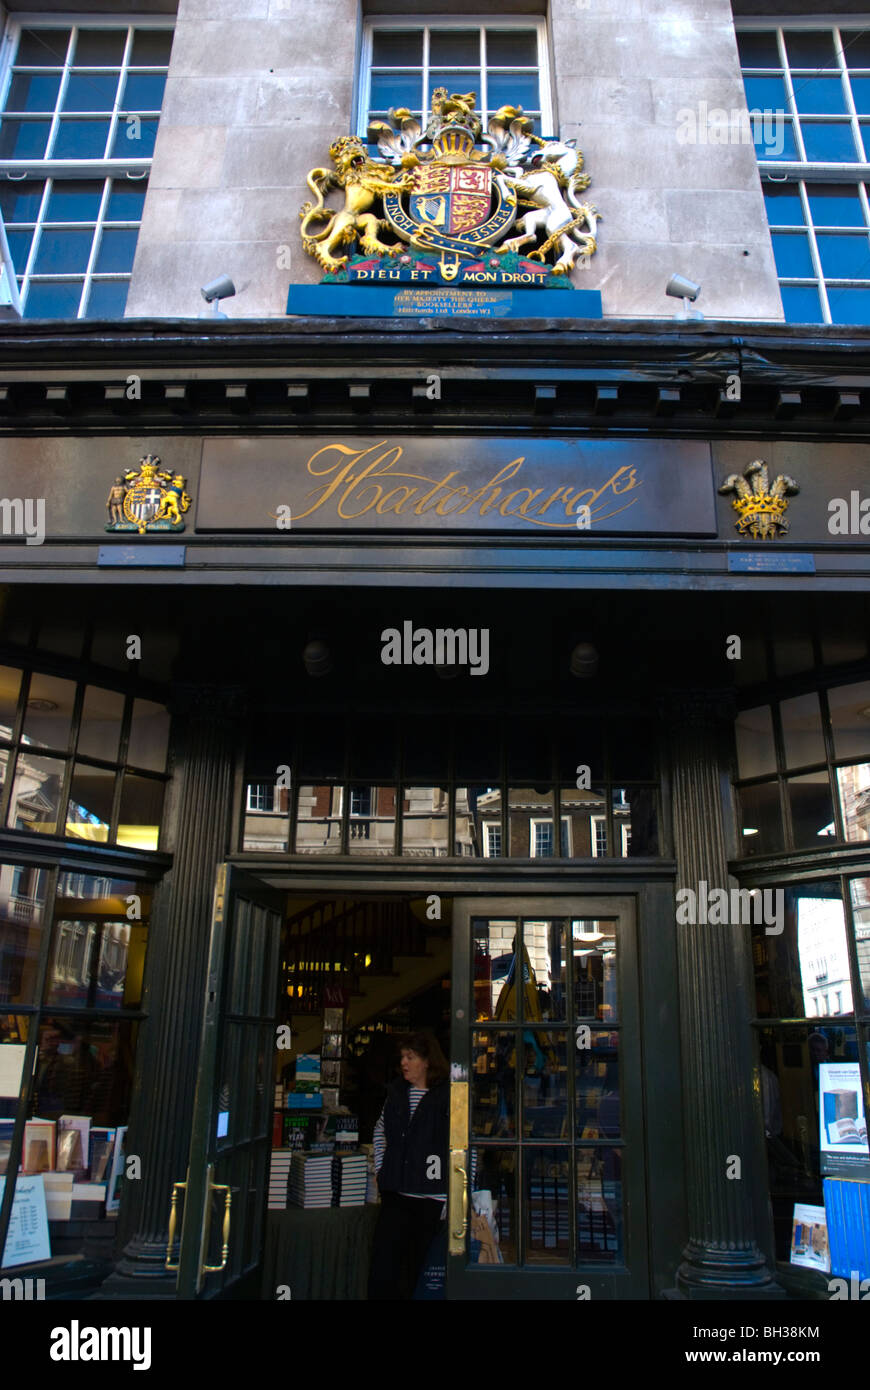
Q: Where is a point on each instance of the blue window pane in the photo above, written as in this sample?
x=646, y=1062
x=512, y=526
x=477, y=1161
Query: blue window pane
x=861, y=94
x=765, y=93
x=801, y=304
x=90, y=91
x=23, y=139
x=151, y=48
x=117, y=249
x=43, y=48
x=74, y=200
x=813, y=48
x=821, y=96
x=783, y=205
x=835, y=205
x=20, y=202
x=33, y=91
x=99, y=48
x=513, y=89
x=857, y=48
x=126, y=200
x=758, y=50
x=63, y=249
x=19, y=249
x=53, y=299
x=829, y=143
x=397, y=48
x=773, y=137
x=108, y=299
x=511, y=48
x=143, y=91
x=134, y=138
x=844, y=257
x=81, y=139
x=849, y=306
x=396, y=89
x=792, y=255
x=454, y=48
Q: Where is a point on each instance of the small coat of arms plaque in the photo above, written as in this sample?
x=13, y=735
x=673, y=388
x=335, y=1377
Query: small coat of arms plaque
x=147, y=498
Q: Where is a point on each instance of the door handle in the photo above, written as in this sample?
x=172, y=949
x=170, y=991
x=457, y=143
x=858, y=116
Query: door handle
x=459, y=1206
x=225, y=1233
x=173, y=1218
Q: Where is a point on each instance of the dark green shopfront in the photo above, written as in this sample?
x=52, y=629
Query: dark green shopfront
x=224, y=811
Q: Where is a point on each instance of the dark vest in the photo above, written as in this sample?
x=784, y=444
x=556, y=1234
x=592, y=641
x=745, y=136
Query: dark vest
x=414, y=1140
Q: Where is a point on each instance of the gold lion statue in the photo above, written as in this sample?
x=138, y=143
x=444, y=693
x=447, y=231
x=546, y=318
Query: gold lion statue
x=325, y=231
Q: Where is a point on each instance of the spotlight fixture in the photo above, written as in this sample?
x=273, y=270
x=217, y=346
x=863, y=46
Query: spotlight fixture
x=317, y=658
x=584, y=661
x=686, y=290
x=215, y=291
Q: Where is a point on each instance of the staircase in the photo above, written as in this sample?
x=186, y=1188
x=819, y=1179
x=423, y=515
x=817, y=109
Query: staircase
x=379, y=951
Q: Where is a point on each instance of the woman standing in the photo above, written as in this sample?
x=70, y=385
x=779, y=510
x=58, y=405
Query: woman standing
x=410, y=1143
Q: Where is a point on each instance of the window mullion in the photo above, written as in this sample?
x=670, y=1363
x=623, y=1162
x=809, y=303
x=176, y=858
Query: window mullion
x=814, y=251
x=790, y=97
x=95, y=249
x=484, y=87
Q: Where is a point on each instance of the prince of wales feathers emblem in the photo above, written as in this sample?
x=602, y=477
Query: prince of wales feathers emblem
x=452, y=193
x=147, y=498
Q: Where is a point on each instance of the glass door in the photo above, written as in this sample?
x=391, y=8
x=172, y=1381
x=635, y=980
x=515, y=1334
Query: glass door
x=222, y=1200
x=547, y=1190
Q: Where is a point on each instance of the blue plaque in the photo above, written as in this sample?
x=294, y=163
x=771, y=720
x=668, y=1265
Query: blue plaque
x=770, y=562
x=402, y=300
x=142, y=556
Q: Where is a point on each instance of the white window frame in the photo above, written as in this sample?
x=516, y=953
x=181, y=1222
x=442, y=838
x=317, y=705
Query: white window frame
x=260, y=810
x=50, y=169
x=594, y=823
x=801, y=171
x=625, y=832
x=487, y=826
x=557, y=849
x=426, y=23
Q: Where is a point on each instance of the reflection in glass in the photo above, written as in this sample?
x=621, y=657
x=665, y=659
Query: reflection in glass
x=141, y=811
x=497, y=1177
x=854, y=787
x=35, y=799
x=850, y=719
x=478, y=832
x=493, y=954
x=547, y=1206
x=424, y=821
x=100, y=728
x=10, y=682
x=859, y=889
x=803, y=971
x=371, y=819
x=85, y=1068
x=812, y=809
x=584, y=820
x=266, y=824
x=597, y=1075
x=595, y=989
x=545, y=1084
x=318, y=820
x=89, y=809
x=493, y=1088
x=22, y=905
x=49, y=712
x=761, y=818
x=599, y=1205
x=530, y=823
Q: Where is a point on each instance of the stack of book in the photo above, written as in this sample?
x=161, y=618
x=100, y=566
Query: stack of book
x=349, y=1173
x=279, y=1178
x=310, y=1180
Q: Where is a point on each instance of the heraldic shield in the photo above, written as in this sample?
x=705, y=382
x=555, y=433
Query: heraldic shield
x=147, y=498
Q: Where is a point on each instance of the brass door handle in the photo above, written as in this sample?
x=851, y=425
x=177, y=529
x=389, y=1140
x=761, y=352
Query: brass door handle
x=225, y=1234
x=460, y=1235
x=173, y=1218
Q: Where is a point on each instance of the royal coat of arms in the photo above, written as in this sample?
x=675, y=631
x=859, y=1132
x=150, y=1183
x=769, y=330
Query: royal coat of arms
x=451, y=194
x=147, y=498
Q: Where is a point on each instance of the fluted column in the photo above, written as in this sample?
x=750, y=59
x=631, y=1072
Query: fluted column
x=205, y=721
x=722, y=1258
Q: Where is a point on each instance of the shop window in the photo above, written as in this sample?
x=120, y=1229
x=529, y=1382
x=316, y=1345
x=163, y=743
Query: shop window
x=84, y=1003
x=77, y=136
x=503, y=60
x=809, y=92
x=107, y=795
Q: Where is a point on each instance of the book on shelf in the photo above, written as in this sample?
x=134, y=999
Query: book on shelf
x=73, y=1137
x=38, y=1155
x=102, y=1145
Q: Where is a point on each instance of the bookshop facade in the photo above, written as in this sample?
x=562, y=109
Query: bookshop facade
x=331, y=712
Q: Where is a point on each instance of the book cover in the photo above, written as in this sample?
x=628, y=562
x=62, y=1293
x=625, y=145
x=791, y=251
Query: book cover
x=38, y=1154
x=113, y=1194
x=73, y=1134
x=102, y=1146
x=809, y=1238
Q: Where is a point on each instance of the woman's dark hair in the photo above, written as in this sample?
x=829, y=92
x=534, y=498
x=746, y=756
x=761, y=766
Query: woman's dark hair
x=426, y=1046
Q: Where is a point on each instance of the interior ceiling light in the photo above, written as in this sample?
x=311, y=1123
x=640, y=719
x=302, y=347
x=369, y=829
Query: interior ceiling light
x=43, y=706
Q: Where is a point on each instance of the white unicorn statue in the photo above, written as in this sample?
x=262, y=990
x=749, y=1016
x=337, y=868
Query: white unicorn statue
x=551, y=181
